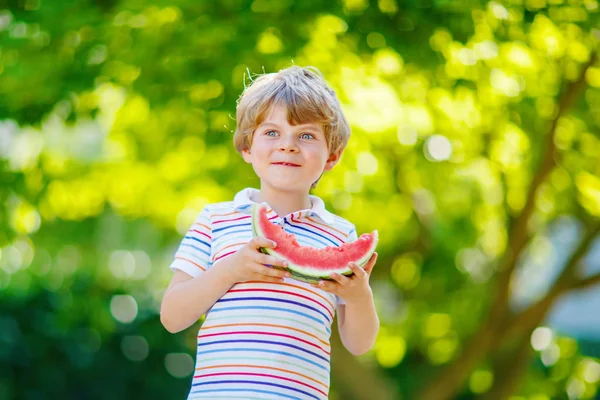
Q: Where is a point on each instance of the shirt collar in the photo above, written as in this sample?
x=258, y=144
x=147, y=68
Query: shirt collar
x=243, y=202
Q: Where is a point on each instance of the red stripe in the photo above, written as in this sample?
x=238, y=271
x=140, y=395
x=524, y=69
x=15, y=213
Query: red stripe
x=265, y=375
x=224, y=255
x=231, y=220
x=316, y=227
x=312, y=292
x=202, y=233
x=284, y=292
x=264, y=333
x=227, y=247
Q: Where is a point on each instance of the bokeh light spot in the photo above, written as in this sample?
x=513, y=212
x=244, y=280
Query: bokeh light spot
x=180, y=365
x=123, y=308
x=135, y=348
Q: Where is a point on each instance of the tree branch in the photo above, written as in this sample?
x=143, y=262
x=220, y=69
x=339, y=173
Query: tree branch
x=449, y=382
x=519, y=233
x=509, y=371
x=565, y=282
x=586, y=282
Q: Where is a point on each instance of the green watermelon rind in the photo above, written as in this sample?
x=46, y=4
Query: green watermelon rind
x=302, y=273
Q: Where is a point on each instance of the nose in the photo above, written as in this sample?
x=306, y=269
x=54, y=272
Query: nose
x=288, y=144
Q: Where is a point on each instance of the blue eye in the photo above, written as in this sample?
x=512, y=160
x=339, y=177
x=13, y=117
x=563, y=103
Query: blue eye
x=267, y=132
x=308, y=134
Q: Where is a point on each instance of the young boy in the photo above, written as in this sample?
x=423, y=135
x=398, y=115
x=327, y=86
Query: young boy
x=265, y=335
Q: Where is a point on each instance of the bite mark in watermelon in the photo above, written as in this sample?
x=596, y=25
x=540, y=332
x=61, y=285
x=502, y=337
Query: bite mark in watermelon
x=310, y=264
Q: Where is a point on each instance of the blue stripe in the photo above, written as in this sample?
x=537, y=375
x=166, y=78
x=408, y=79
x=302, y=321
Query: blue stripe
x=309, y=241
x=259, y=383
x=270, y=308
x=277, y=300
x=232, y=226
x=195, y=248
x=244, y=390
x=231, y=238
x=198, y=240
x=283, y=353
x=266, y=342
x=312, y=233
x=226, y=236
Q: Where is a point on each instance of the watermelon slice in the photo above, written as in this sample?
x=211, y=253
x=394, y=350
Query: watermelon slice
x=310, y=264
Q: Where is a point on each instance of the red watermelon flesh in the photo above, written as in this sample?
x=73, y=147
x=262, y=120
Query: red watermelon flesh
x=310, y=264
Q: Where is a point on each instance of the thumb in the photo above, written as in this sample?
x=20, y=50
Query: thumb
x=371, y=263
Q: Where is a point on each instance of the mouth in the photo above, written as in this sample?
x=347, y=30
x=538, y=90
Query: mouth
x=286, y=164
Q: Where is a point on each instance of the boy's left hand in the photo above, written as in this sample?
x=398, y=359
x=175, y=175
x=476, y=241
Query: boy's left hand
x=354, y=287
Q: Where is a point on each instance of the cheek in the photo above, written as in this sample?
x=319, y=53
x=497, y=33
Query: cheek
x=259, y=147
x=317, y=156
x=261, y=153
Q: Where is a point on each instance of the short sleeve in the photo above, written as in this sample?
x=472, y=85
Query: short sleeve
x=193, y=254
x=351, y=238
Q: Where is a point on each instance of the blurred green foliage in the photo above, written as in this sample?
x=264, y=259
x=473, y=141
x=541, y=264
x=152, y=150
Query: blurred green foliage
x=475, y=135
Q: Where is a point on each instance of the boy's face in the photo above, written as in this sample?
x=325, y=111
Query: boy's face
x=303, y=147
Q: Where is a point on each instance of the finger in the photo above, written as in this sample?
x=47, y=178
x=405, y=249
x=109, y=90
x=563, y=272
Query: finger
x=270, y=279
x=262, y=242
x=328, y=286
x=277, y=273
x=341, y=279
x=371, y=263
x=359, y=272
x=270, y=260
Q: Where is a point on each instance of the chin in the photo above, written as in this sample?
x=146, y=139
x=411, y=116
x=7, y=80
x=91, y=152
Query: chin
x=286, y=185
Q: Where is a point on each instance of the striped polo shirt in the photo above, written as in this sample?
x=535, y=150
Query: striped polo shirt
x=262, y=340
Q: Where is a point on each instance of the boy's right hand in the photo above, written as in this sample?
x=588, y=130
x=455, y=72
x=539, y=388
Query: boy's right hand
x=249, y=264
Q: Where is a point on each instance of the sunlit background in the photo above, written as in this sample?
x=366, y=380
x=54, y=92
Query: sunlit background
x=475, y=153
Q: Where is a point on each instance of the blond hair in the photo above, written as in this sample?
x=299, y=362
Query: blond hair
x=307, y=98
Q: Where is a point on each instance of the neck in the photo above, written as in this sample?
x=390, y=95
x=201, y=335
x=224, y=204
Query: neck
x=284, y=203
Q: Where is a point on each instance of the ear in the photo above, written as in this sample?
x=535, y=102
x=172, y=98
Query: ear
x=332, y=160
x=246, y=156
